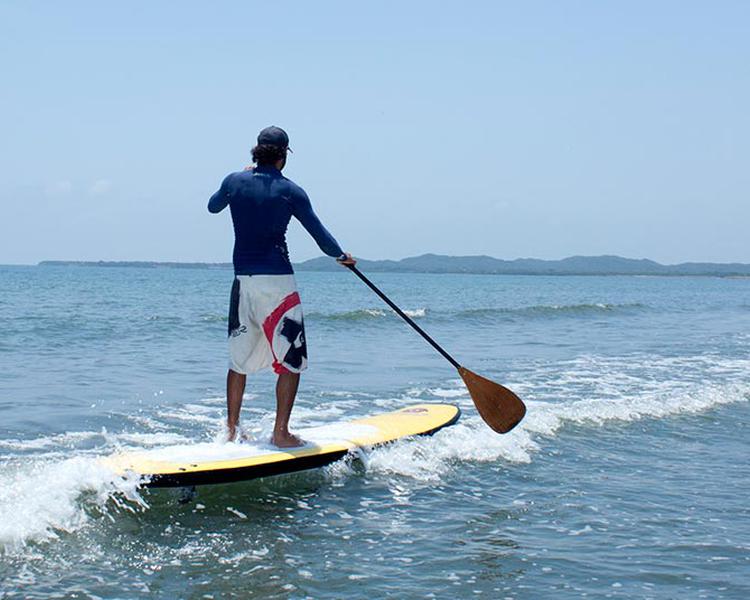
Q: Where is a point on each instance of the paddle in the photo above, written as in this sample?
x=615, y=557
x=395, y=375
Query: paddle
x=500, y=408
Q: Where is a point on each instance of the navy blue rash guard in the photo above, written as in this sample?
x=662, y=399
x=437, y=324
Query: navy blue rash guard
x=262, y=202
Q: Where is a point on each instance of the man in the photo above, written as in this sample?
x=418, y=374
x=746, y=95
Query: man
x=265, y=315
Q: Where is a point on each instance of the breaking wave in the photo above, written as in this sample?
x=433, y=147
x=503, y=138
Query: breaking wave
x=365, y=314
x=590, y=392
x=552, y=310
x=41, y=500
x=384, y=313
x=537, y=311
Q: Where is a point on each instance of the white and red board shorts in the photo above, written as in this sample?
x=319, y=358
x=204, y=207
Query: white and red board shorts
x=266, y=328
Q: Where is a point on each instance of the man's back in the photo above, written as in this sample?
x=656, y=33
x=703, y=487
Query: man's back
x=262, y=202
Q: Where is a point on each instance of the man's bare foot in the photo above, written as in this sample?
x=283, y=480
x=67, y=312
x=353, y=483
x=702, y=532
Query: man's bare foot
x=286, y=440
x=235, y=434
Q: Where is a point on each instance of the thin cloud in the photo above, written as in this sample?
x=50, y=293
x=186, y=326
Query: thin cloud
x=100, y=187
x=58, y=188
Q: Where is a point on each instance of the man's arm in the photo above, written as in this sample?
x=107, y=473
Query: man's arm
x=303, y=211
x=220, y=200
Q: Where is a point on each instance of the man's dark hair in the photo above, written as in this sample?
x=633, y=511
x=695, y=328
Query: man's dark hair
x=266, y=154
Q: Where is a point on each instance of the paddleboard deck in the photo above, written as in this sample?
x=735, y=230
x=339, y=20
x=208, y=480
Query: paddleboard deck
x=213, y=463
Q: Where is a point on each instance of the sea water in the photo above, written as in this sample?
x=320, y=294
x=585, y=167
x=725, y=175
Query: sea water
x=629, y=477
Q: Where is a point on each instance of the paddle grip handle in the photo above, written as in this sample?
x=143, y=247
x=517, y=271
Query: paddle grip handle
x=404, y=316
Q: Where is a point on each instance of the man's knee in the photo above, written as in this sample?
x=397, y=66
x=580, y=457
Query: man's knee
x=235, y=376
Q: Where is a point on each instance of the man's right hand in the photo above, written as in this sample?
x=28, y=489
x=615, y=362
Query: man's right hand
x=346, y=259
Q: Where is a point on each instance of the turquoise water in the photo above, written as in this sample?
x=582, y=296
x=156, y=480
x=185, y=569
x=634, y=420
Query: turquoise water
x=628, y=478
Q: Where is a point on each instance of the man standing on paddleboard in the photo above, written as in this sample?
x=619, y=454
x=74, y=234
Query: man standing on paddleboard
x=266, y=328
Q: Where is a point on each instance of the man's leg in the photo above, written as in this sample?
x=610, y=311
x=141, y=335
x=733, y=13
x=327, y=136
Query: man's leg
x=286, y=391
x=235, y=389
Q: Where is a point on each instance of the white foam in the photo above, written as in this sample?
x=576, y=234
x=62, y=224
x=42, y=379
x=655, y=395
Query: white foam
x=415, y=313
x=447, y=393
x=71, y=439
x=547, y=418
x=614, y=395
x=179, y=415
x=39, y=500
x=51, y=441
x=587, y=390
x=150, y=439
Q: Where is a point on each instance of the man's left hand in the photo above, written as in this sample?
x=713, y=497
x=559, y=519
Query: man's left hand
x=346, y=259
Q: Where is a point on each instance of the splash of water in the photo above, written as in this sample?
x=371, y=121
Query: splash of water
x=41, y=500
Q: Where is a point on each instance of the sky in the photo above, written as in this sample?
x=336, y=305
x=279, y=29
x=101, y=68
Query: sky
x=525, y=129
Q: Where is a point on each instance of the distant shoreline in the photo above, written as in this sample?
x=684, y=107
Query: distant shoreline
x=477, y=265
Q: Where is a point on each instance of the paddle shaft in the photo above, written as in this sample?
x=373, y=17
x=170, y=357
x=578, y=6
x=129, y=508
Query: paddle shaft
x=404, y=316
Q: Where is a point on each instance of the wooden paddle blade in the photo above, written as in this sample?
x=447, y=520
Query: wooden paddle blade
x=500, y=408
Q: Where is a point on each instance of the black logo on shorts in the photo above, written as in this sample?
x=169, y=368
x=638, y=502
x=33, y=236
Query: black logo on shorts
x=294, y=332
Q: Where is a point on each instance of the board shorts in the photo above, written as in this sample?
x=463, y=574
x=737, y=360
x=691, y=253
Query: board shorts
x=266, y=328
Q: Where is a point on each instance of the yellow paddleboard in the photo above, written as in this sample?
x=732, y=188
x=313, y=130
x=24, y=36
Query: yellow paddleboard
x=209, y=463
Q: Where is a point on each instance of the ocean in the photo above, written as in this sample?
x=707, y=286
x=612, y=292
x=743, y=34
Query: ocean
x=628, y=478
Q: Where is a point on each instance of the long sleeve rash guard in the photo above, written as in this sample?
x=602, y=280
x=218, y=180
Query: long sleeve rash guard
x=262, y=202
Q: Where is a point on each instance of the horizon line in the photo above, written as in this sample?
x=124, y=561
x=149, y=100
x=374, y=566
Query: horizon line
x=225, y=262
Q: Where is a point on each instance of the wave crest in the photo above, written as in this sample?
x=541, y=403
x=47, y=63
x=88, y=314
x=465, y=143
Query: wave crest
x=41, y=500
x=366, y=314
x=552, y=310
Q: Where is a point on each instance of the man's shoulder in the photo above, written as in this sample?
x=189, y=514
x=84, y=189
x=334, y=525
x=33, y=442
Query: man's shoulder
x=237, y=175
x=294, y=189
x=237, y=178
x=231, y=179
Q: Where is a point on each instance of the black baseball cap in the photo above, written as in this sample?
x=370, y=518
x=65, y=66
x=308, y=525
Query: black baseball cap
x=274, y=136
